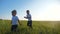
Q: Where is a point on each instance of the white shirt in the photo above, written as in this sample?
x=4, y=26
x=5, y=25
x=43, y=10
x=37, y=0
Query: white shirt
x=14, y=20
x=29, y=17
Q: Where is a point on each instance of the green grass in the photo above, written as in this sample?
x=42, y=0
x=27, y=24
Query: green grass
x=39, y=27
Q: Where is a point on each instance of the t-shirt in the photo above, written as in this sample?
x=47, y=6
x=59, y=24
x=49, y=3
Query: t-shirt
x=29, y=17
x=14, y=20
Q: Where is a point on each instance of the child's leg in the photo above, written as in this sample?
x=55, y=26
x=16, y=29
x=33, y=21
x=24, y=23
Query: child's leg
x=29, y=24
x=14, y=27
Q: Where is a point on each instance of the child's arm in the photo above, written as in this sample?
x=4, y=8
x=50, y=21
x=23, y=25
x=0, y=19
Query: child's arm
x=19, y=22
x=27, y=17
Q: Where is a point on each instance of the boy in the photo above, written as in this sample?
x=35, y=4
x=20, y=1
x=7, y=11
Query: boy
x=28, y=16
x=14, y=21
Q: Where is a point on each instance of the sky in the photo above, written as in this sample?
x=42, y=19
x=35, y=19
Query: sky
x=39, y=9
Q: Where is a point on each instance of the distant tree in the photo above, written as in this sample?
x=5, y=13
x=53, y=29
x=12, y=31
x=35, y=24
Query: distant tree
x=0, y=19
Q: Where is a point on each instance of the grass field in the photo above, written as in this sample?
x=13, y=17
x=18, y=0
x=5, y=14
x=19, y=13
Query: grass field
x=39, y=27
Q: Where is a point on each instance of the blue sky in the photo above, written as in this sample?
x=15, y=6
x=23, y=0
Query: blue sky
x=40, y=9
x=6, y=6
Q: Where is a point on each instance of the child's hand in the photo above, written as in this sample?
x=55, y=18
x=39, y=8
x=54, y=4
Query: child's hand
x=24, y=17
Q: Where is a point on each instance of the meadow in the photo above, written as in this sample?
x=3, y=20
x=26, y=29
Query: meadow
x=39, y=27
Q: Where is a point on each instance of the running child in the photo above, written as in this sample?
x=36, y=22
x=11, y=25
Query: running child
x=14, y=21
x=28, y=16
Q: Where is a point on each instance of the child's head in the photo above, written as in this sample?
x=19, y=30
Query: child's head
x=27, y=11
x=14, y=13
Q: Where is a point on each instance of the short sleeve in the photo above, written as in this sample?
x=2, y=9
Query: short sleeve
x=17, y=18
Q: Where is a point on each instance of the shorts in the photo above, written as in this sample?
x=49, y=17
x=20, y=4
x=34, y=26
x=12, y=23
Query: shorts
x=14, y=27
x=29, y=23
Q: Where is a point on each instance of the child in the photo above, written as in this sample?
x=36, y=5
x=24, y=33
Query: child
x=28, y=16
x=14, y=21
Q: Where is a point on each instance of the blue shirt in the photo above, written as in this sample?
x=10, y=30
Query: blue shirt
x=14, y=20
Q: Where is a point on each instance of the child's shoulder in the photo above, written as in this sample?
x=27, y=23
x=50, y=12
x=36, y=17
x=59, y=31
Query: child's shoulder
x=30, y=14
x=16, y=16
